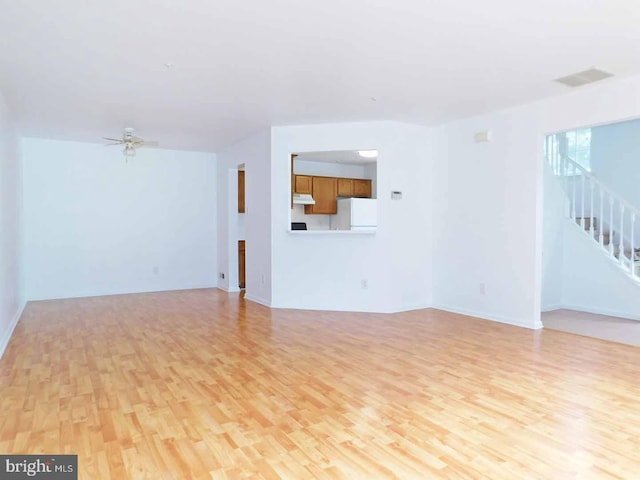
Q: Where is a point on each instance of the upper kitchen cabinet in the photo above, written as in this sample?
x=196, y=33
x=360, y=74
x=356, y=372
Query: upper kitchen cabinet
x=361, y=188
x=325, y=193
x=345, y=187
x=303, y=184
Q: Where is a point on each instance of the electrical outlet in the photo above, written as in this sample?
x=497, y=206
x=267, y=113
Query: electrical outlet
x=262, y=279
x=483, y=289
x=364, y=283
x=222, y=275
x=156, y=270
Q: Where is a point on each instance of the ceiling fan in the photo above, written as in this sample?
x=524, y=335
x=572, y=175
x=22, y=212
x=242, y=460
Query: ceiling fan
x=130, y=142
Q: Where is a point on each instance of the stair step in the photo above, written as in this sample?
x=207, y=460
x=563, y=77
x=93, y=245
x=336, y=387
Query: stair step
x=587, y=222
x=606, y=236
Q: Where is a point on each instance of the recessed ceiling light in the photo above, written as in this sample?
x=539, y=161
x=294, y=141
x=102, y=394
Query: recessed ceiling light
x=373, y=99
x=169, y=65
x=368, y=153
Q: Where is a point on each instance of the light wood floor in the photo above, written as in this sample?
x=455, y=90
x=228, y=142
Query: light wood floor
x=201, y=384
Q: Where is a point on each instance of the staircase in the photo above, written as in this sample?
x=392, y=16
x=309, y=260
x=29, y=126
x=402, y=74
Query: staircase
x=598, y=211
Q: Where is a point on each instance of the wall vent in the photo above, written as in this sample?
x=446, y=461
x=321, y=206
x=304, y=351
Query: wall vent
x=584, y=77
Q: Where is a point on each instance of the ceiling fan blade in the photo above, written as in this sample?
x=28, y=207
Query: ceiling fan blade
x=112, y=144
x=144, y=143
x=119, y=140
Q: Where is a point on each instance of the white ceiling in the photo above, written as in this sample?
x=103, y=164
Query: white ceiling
x=80, y=70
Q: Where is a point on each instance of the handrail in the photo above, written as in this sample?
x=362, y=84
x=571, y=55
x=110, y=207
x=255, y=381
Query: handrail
x=602, y=185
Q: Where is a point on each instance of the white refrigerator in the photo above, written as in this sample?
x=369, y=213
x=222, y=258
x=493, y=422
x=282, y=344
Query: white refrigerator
x=357, y=214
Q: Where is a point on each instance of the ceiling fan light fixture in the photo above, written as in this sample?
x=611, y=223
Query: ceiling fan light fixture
x=129, y=151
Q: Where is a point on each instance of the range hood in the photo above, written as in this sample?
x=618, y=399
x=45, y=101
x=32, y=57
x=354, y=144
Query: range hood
x=303, y=199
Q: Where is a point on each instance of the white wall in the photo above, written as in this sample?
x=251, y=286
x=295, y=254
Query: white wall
x=555, y=210
x=615, y=158
x=325, y=271
x=615, y=161
x=95, y=224
x=255, y=153
x=371, y=172
x=487, y=255
x=309, y=167
x=592, y=283
x=230, y=229
x=241, y=226
x=10, y=183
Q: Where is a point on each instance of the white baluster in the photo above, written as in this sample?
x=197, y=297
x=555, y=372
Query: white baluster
x=564, y=174
x=601, y=240
x=632, y=258
x=573, y=182
x=610, y=225
x=591, y=221
x=582, y=201
x=575, y=145
x=621, y=242
x=554, y=157
x=546, y=148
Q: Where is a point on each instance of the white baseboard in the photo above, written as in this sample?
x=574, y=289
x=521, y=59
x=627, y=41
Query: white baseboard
x=509, y=321
x=552, y=307
x=409, y=308
x=229, y=289
x=7, y=336
x=257, y=300
x=108, y=293
x=323, y=307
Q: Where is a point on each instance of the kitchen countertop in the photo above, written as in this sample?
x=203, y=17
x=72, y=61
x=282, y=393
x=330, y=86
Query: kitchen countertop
x=332, y=232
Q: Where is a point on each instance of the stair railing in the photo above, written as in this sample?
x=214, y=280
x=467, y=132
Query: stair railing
x=608, y=219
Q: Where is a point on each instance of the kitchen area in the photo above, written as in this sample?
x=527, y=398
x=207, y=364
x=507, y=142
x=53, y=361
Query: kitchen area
x=334, y=192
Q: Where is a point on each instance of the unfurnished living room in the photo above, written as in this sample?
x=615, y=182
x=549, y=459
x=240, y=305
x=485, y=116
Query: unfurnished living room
x=299, y=240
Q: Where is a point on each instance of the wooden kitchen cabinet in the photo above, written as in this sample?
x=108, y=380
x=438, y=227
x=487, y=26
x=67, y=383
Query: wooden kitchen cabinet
x=325, y=193
x=361, y=188
x=303, y=184
x=240, y=191
x=345, y=187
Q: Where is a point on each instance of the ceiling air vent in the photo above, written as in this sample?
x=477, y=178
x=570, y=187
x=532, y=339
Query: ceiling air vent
x=582, y=78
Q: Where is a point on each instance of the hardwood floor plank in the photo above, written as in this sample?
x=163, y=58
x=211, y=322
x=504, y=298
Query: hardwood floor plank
x=203, y=384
